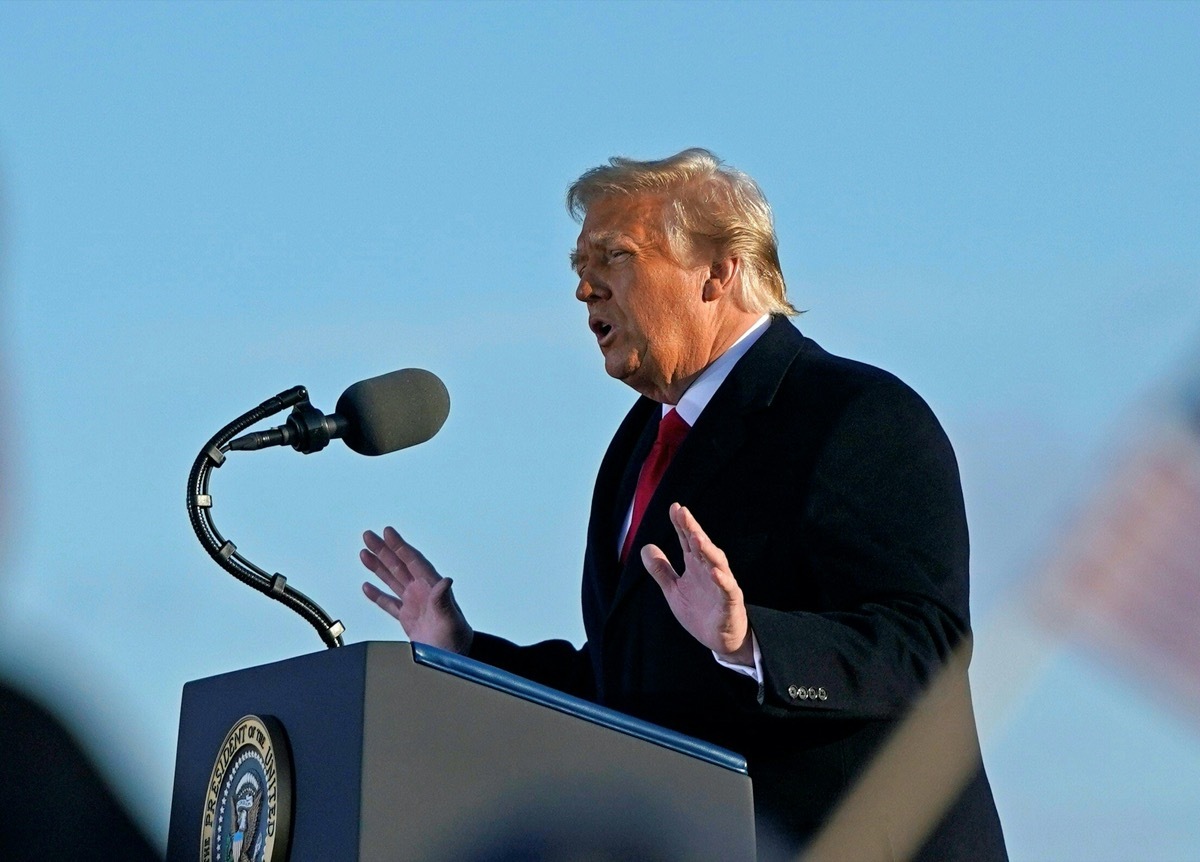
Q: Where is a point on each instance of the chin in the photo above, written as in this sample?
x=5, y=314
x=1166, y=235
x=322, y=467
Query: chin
x=633, y=374
x=620, y=368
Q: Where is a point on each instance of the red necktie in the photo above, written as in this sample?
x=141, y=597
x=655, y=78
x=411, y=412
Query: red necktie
x=671, y=431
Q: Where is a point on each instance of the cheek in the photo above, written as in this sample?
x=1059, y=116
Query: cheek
x=671, y=314
x=662, y=305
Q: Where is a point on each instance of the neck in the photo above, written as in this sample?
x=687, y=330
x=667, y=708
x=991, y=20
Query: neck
x=729, y=329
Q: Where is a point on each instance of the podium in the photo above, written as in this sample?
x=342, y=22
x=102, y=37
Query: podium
x=401, y=751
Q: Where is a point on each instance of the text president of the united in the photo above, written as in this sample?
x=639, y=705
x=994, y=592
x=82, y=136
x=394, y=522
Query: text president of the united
x=798, y=574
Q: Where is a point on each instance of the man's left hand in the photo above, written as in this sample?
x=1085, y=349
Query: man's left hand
x=706, y=599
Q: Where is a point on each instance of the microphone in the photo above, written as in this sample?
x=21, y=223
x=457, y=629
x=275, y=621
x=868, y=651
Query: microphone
x=373, y=417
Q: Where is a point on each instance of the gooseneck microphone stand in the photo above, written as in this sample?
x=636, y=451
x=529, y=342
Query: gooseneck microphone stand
x=223, y=551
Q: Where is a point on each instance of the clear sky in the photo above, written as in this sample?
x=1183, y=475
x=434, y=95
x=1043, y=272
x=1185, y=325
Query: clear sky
x=204, y=204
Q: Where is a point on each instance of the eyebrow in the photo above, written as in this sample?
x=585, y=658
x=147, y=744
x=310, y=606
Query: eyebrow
x=603, y=237
x=594, y=239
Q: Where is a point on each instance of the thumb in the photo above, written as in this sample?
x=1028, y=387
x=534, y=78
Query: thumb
x=440, y=596
x=659, y=567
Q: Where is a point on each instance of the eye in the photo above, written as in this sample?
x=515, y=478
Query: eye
x=618, y=254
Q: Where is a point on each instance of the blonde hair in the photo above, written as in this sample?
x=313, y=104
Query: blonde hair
x=708, y=202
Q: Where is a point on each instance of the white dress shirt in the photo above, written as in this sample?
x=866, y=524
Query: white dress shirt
x=689, y=408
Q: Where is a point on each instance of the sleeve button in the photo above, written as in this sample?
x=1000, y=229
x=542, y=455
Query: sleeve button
x=822, y=694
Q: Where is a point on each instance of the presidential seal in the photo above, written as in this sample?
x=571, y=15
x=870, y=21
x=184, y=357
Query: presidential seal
x=248, y=809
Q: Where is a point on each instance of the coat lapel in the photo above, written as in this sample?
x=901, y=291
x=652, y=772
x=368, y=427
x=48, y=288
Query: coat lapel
x=610, y=500
x=719, y=433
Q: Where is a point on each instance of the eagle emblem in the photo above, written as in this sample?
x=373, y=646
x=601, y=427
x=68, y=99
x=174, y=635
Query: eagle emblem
x=248, y=805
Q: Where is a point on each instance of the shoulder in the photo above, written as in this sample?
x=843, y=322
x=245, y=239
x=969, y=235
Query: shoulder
x=832, y=391
x=872, y=437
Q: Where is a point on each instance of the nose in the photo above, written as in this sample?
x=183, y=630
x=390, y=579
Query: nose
x=589, y=288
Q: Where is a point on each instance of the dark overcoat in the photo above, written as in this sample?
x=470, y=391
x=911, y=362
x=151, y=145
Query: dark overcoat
x=835, y=494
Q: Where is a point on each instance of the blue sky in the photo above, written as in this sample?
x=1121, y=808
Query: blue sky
x=204, y=204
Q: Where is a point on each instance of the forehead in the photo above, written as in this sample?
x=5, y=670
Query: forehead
x=635, y=217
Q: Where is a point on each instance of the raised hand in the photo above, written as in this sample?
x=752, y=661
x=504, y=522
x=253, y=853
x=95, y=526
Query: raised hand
x=420, y=598
x=706, y=599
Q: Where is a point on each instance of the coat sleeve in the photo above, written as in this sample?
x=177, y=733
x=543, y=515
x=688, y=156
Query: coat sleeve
x=556, y=663
x=881, y=542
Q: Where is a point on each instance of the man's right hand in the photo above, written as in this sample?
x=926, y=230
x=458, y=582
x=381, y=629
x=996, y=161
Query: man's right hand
x=420, y=598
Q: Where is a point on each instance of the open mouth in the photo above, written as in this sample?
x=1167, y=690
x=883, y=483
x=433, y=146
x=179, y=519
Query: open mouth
x=601, y=329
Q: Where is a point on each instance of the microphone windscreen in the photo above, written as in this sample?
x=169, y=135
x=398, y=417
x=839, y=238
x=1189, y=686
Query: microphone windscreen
x=393, y=411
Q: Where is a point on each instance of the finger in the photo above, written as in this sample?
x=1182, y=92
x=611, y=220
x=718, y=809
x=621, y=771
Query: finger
x=390, y=604
x=395, y=572
x=699, y=541
x=440, y=596
x=675, y=513
x=659, y=567
x=393, y=538
x=416, y=563
x=388, y=568
x=374, y=564
x=393, y=542
x=689, y=524
x=369, y=560
x=372, y=540
x=407, y=553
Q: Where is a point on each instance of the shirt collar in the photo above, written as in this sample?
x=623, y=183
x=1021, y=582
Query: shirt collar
x=697, y=396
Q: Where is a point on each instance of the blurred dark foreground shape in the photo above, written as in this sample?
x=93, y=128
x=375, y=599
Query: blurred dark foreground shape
x=53, y=803
x=54, y=806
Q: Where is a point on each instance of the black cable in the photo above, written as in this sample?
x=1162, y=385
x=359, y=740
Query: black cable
x=223, y=551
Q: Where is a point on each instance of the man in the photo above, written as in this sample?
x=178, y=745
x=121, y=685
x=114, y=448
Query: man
x=777, y=552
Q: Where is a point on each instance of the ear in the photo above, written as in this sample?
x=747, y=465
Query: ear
x=723, y=276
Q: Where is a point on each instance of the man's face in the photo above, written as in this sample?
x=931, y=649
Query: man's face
x=645, y=307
